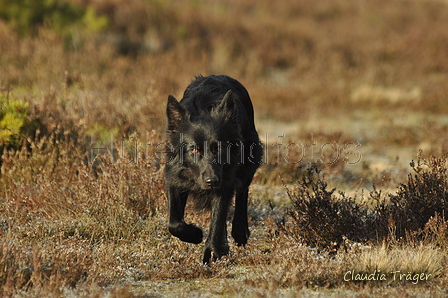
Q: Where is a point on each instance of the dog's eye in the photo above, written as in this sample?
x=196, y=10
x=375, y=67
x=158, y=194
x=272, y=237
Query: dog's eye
x=195, y=150
x=216, y=148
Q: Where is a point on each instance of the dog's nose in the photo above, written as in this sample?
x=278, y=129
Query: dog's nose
x=212, y=181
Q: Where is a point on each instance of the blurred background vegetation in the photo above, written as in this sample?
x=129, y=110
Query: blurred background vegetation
x=372, y=72
x=27, y=16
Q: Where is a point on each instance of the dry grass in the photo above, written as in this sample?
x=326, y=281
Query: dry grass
x=421, y=259
x=364, y=82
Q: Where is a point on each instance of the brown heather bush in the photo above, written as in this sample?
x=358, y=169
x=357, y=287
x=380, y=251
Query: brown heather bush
x=319, y=218
x=423, y=197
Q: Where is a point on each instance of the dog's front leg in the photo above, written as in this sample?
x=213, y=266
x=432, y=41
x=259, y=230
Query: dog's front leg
x=240, y=227
x=217, y=239
x=177, y=226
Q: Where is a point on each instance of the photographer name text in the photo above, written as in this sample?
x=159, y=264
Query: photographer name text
x=395, y=276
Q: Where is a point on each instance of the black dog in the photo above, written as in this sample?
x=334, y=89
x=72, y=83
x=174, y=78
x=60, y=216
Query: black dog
x=215, y=151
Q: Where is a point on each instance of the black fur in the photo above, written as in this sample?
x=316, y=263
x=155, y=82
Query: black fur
x=215, y=151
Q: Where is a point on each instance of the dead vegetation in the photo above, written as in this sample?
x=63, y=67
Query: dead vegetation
x=320, y=218
x=82, y=199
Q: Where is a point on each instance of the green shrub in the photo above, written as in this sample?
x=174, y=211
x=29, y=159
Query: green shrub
x=62, y=16
x=14, y=121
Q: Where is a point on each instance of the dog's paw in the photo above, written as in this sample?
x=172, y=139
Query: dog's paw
x=214, y=254
x=187, y=233
x=241, y=234
x=193, y=234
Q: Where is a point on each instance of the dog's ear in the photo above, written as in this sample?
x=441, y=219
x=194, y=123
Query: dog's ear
x=227, y=107
x=175, y=113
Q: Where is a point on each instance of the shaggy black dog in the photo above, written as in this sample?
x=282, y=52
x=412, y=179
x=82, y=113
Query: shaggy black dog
x=214, y=153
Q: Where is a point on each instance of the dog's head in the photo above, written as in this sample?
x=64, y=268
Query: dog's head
x=204, y=141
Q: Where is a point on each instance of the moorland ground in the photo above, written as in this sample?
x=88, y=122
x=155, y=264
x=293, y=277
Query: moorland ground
x=353, y=89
